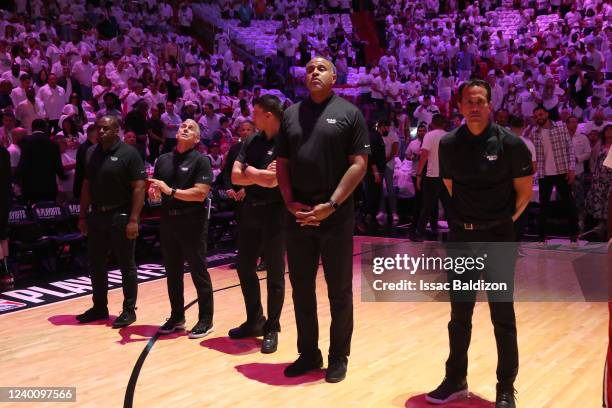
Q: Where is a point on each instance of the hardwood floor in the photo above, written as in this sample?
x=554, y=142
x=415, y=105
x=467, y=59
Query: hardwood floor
x=398, y=354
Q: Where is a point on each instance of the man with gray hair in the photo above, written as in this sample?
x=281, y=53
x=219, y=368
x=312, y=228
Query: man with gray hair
x=182, y=180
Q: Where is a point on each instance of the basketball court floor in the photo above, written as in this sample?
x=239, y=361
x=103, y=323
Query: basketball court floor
x=398, y=353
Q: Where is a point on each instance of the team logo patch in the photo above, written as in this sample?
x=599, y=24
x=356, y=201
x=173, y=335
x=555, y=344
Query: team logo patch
x=331, y=121
x=6, y=305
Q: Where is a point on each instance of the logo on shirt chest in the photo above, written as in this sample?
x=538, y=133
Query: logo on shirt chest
x=114, y=158
x=270, y=152
x=491, y=157
x=331, y=121
x=184, y=168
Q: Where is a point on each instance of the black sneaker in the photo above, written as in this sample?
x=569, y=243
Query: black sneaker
x=172, y=324
x=126, y=318
x=270, y=342
x=201, y=329
x=448, y=391
x=92, y=315
x=505, y=396
x=262, y=266
x=304, y=364
x=248, y=329
x=336, y=369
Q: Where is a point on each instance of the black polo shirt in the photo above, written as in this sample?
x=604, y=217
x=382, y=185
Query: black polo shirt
x=482, y=169
x=259, y=151
x=111, y=174
x=318, y=139
x=182, y=171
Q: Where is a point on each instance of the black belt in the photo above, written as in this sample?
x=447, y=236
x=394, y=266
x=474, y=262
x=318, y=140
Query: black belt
x=479, y=226
x=109, y=208
x=184, y=211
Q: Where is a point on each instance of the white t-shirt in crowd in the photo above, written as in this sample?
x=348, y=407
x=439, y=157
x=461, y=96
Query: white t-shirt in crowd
x=431, y=142
x=413, y=153
x=550, y=169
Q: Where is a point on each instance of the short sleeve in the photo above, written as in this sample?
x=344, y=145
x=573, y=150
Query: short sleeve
x=204, y=173
x=360, y=141
x=427, y=142
x=282, y=140
x=136, y=169
x=520, y=158
x=243, y=150
x=445, y=159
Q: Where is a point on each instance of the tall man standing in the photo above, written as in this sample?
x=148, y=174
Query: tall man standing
x=322, y=154
x=261, y=221
x=114, y=186
x=182, y=179
x=487, y=171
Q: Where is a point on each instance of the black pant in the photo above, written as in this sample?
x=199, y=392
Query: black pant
x=184, y=238
x=433, y=190
x=373, y=192
x=417, y=204
x=332, y=241
x=106, y=232
x=502, y=312
x=262, y=224
x=546, y=184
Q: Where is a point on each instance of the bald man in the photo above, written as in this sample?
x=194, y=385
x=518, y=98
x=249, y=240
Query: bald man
x=322, y=154
x=114, y=186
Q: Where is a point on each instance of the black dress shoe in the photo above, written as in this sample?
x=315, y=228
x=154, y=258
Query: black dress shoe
x=201, y=329
x=270, y=342
x=126, y=318
x=336, y=369
x=448, y=391
x=505, y=396
x=92, y=315
x=172, y=324
x=304, y=364
x=248, y=329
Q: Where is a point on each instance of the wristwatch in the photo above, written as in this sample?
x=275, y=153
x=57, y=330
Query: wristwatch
x=173, y=192
x=333, y=204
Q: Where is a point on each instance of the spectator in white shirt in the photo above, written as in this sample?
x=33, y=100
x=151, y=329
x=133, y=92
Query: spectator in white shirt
x=53, y=98
x=209, y=123
x=14, y=149
x=29, y=110
x=393, y=89
x=425, y=112
x=18, y=94
x=582, y=151
x=83, y=72
x=171, y=121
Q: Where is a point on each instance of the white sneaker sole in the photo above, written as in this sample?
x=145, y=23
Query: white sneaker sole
x=176, y=328
x=463, y=394
x=199, y=336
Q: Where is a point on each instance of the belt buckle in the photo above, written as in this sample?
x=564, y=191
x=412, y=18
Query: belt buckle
x=468, y=226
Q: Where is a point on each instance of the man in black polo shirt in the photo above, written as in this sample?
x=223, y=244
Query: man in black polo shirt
x=322, y=150
x=183, y=178
x=487, y=171
x=261, y=221
x=114, y=186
